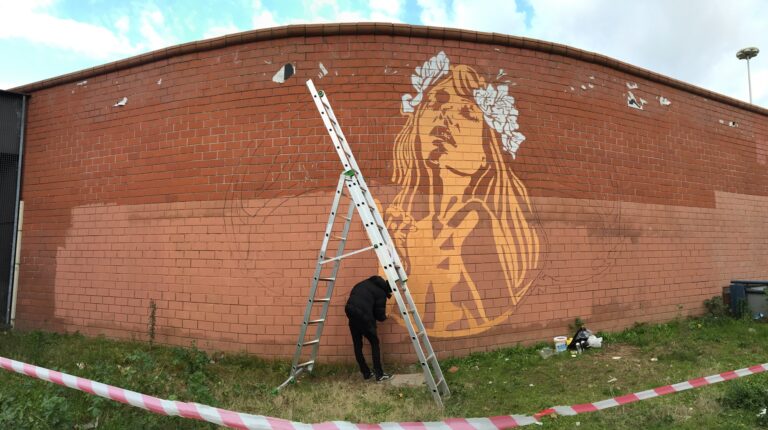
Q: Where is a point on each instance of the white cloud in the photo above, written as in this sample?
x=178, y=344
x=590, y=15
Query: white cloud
x=500, y=17
x=262, y=17
x=386, y=10
x=434, y=12
x=221, y=30
x=324, y=11
x=31, y=21
x=693, y=43
x=153, y=30
x=663, y=36
x=123, y=24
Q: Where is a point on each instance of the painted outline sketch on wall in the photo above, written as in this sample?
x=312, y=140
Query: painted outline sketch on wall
x=461, y=215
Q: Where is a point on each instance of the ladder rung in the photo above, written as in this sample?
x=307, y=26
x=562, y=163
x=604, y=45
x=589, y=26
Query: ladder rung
x=431, y=357
x=311, y=342
x=336, y=236
x=339, y=257
x=322, y=300
x=317, y=321
x=326, y=279
x=437, y=383
x=305, y=364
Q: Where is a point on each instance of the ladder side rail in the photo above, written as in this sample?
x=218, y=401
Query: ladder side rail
x=384, y=231
x=332, y=284
x=407, y=315
x=329, y=126
x=403, y=277
x=316, y=276
x=427, y=343
x=387, y=263
x=372, y=230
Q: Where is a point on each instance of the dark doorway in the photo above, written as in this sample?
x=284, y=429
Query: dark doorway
x=12, y=108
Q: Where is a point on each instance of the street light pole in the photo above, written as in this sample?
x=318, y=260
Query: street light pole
x=747, y=54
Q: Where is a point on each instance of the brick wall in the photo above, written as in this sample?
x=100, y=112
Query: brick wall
x=207, y=192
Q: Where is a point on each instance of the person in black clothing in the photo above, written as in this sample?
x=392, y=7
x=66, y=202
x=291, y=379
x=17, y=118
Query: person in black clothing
x=367, y=304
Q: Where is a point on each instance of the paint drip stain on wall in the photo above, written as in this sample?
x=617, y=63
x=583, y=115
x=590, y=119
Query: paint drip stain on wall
x=284, y=73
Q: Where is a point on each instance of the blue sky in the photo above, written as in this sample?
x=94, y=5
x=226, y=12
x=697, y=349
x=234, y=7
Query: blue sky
x=40, y=39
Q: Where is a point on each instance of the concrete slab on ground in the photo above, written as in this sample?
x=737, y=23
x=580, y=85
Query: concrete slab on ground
x=408, y=379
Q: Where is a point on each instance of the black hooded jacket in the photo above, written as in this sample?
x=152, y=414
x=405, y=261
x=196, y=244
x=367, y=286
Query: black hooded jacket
x=367, y=302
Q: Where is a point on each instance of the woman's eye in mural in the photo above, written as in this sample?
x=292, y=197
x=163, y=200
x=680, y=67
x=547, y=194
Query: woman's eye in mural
x=461, y=196
x=466, y=113
x=441, y=98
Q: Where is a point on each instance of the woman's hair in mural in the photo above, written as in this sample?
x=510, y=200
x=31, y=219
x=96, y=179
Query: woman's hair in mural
x=494, y=184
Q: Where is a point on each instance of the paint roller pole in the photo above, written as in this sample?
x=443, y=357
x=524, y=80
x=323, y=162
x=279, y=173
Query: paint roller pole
x=747, y=54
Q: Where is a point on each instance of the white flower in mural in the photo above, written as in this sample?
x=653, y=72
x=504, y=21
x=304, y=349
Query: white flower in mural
x=500, y=114
x=431, y=71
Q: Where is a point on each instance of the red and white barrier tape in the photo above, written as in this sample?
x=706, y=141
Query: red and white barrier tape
x=649, y=394
x=240, y=420
x=246, y=421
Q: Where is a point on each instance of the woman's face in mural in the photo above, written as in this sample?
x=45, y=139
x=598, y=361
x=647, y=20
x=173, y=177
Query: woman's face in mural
x=450, y=128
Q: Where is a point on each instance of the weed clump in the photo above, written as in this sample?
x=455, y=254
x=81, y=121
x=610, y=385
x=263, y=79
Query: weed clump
x=750, y=394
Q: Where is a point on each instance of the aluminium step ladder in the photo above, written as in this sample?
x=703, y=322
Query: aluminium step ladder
x=353, y=182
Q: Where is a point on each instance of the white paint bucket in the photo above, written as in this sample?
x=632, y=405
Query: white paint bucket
x=561, y=343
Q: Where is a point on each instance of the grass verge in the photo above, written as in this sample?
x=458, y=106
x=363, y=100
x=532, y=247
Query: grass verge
x=511, y=380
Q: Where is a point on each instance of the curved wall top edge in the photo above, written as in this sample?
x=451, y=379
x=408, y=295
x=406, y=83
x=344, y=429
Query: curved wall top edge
x=385, y=29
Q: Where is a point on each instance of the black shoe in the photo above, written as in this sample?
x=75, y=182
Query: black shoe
x=367, y=376
x=383, y=377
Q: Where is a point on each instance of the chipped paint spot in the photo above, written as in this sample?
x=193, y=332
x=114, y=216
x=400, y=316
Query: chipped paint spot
x=733, y=124
x=721, y=121
x=122, y=102
x=81, y=83
x=501, y=73
x=631, y=85
x=267, y=61
x=323, y=71
x=592, y=77
x=284, y=73
x=573, y=89
x=590, y=86
x=583, y=87
x=160, y=81
x=664, y=101
x=633, y=103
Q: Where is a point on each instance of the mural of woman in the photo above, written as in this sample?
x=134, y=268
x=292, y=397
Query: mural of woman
x=459, y=218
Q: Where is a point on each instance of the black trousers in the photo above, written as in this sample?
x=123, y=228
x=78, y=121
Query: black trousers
x=359, y=329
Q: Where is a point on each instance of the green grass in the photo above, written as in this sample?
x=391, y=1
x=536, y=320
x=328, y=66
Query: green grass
x=508, y=381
